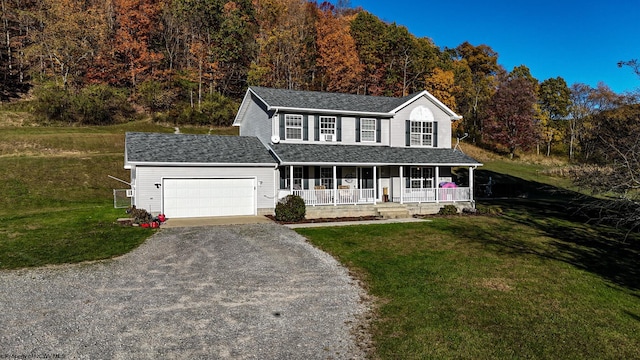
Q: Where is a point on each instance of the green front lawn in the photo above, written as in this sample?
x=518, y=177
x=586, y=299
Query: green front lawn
x=524, y=285
x=56, y=203
x=59, y=236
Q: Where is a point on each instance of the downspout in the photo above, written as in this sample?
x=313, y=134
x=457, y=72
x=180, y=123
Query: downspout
x=375, y=184
x=471, y=168
x=437, y=185
x=401, y=184
x=275, y=179
x=335, y=186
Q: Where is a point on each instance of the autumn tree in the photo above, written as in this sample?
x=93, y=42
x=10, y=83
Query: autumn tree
x=68, y=38
x=338, y=62
x=634, y=64
x=129, y=58
x=478, y=68
x=441, y=84
x=219, y=43
x=18, y=19
x=591, y=102
x=286, y=44
x=369, y=34
x=614, y=167
x=554, y=100
x=579, y=111
x=510, y=115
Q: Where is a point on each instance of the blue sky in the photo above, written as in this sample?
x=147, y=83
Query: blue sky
x=581, y=41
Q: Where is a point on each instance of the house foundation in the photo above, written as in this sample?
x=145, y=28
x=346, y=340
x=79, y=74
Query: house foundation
x=383, y=210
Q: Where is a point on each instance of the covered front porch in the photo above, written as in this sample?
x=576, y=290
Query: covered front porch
x=358, y=185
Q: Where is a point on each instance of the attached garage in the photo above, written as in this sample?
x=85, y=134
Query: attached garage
x=185, y=176
x=208, y=197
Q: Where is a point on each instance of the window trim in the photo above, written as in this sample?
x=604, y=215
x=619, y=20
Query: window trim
x=327, y=182
x=328, y=130
x=415, y=135
x=287, y=126
x=297, y=170
x=425, y=177
x=372, y=132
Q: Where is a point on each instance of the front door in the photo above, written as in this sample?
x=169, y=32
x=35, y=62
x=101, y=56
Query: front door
x=367, y=182
x=366, y=178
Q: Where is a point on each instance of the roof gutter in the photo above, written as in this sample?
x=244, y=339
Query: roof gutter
x=475, y=165
x=329, y=111
x=143, y=163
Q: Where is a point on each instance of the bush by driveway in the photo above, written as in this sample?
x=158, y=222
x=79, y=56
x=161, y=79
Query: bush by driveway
x=243, y=292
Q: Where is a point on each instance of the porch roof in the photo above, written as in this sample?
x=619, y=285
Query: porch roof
x=315, y=154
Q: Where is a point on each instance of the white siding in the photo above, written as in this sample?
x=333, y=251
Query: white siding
x=399, y=121
x=385, y=134
x=257, y=122
x=149, y=197
x=348, y=130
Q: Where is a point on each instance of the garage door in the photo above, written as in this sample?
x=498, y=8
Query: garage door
x=208, y=197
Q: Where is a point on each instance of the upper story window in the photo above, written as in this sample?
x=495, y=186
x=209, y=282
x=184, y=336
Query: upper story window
x=421, y=128
x=421, y=133
x=293, y=126
x=327, y=128
x=368, y=130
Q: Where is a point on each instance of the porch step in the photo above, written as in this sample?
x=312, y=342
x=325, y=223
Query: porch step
x=393, y=211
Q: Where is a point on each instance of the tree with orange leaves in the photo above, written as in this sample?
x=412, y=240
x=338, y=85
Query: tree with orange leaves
x=67, y=39
x=338, y=60
x=129, y=58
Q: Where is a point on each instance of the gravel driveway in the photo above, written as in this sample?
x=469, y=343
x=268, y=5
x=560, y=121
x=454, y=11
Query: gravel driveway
x=239, y=292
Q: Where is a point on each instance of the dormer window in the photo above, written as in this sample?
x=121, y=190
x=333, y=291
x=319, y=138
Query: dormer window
x=293, y=127
x=327, y=128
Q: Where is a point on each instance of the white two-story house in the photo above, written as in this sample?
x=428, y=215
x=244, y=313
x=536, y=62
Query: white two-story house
x=334, y=150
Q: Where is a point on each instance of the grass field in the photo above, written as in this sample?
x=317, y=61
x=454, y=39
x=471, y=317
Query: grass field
x=536, y=282
x=57, y=200
x=531, y=284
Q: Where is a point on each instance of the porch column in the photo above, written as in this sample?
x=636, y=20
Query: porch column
x=335, y=186
x=291, y=179
x=375, y=184
x=401, y=184
x=470, y=183
x=437, y=186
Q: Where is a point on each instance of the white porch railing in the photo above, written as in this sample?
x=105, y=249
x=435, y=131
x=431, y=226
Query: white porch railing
x=343, y=196
x=429, y=195
x=367, y=196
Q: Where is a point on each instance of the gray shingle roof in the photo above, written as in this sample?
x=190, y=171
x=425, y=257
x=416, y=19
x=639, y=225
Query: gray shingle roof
x=185, y=148
x=283, y=98
x=361, y=154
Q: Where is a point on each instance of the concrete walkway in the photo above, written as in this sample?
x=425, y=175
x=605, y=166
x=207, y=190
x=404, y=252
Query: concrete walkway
x=212, y=221
x=351, y=223
x=242, y=220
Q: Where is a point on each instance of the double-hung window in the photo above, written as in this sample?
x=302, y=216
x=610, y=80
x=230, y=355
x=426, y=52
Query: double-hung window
x=285, y=177
x=326, y=177
x=368, y=130
x=421, y=177
x=422, y=133
x=327, y=128
x=293, y=126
